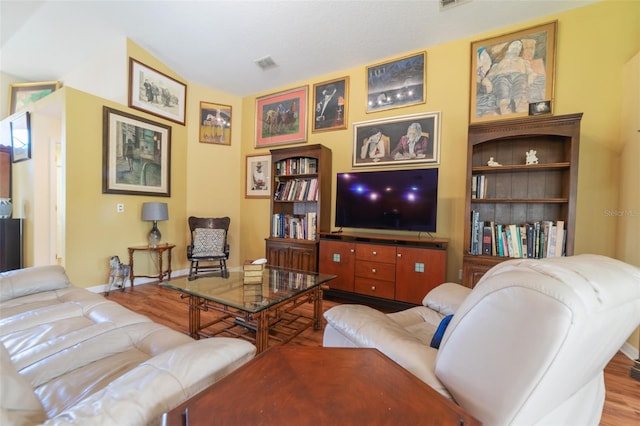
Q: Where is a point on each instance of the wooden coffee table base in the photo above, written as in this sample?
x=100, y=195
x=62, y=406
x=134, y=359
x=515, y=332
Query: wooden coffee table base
x=313, y=386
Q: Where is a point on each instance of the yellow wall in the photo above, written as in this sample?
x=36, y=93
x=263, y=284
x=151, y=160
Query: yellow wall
x=594, y=42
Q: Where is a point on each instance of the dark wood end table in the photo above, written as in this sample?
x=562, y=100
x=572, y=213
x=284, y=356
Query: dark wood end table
x=159, y=250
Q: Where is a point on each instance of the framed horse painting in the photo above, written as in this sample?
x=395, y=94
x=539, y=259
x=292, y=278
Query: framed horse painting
x=281, y=118
x=215, y=123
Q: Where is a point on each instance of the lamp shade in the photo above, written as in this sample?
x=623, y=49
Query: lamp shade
x=155, y=211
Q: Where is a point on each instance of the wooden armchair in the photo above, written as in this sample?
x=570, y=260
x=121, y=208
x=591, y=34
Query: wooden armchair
x=209, y=246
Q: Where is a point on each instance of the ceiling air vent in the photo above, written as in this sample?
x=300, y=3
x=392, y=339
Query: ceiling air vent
x=266, y=63
x=448, y=4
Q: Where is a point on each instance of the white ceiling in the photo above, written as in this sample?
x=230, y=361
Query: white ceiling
x=215, y=43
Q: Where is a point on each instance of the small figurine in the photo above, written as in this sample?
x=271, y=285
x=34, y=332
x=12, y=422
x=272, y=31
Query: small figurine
x=493, y=163
x=531, y=157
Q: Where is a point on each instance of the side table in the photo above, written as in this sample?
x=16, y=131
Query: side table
x=159, y=250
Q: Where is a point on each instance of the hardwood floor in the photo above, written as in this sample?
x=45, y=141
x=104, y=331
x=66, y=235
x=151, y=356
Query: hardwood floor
x=622, y=405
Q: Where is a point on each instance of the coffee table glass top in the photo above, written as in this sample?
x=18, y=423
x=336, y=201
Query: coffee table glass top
x=277, y=285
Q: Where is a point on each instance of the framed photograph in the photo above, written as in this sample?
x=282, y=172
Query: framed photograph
x=22, y=95
x=400, y=140
x=258, y=173
x=281, y=118
x=397, y=83
x=156, y=93
x=330, y=105
x=136, y=155
x=215, y=123
x=21, y=137
x=512, y=71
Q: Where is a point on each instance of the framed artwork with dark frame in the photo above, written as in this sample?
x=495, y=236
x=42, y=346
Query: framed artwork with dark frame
x=136, y=155
x=281, y=118
x=512, y=71
x=258, y=176
x=156, y=93
x=330, y=105
x=409, y=139
x=397, y=83
x=21, y=137
x=22, y=95
x=215, y=123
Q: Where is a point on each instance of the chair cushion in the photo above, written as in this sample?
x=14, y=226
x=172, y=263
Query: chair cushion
x=437, y=337
x=208, y=242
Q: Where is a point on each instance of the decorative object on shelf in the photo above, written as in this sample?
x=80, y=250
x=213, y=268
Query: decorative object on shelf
x=136, y=155
x=330, y=104
x=531, y=157
x=539, y=108
x=397, y=83
x=21, y=137
x=258, y=176
x=512, y=71
x=400, y=140
x=493, y=163
x=215, y=123
x=5, y=208
x=154, y=212
x=281, y=118
x=156, y=93
x=23, y=95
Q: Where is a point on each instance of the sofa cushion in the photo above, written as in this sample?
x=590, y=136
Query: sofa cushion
x=437, y=336
x=23, y=282
x=446, y=298
x=18, y=402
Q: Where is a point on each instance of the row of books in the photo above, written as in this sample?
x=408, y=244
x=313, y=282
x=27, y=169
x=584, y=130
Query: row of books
x=297, y=190
x=288, y=280
x=478, y=186
x=530, y=240
x=302, y=227
x=297, y=166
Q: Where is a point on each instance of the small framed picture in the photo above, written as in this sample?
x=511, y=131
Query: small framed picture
x=281, y=118
x=136, y=155
x=330, y=105
x=397, y=83
x=540, y=108
x=21, y=137
x=22, y=95
x=215, y=123
x=156, y=93
x=258, y=176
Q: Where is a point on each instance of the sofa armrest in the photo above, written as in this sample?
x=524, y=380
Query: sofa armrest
x=160, y=384
x=37, y=279
x=446, y=298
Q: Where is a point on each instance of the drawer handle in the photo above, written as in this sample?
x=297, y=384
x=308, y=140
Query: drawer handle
x=352, y=250
x=399, y=255
x=375, y=253
x=373, y=288
x=373, y=270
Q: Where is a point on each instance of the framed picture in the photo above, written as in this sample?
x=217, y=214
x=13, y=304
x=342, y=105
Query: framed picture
x=397, y=83
x=21, y=137
x=156, y=93
x=281, y=118
x=136, y=155
x=215, y=123
x=511, y=71
x=22, y=95
x=258, y=173
x=330, y=105
x=400, y=140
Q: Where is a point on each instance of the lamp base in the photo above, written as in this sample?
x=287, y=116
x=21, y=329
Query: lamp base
x=154, y=236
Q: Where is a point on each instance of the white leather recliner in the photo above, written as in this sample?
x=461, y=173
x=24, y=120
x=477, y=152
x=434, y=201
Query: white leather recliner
x=527, y=346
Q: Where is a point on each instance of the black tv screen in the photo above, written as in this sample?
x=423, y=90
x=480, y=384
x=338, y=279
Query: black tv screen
x=394, y=199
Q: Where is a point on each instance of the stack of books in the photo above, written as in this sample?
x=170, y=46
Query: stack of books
x=252, y=273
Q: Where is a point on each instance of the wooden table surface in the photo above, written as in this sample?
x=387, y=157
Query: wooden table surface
x=316, y=386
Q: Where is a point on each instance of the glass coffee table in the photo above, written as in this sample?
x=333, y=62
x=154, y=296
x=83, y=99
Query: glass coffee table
x=257, y=311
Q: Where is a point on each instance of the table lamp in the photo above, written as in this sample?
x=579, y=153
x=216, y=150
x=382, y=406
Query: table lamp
x=154, y=212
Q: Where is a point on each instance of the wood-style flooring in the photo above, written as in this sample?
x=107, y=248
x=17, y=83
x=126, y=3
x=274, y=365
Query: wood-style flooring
x=622, y=405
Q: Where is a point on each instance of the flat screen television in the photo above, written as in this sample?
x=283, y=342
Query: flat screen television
x=403, y=200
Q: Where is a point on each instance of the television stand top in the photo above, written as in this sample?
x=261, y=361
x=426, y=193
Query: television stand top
x=408, y=240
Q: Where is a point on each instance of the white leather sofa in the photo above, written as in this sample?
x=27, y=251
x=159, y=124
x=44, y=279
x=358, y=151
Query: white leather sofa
x=69, y=356
x=527, y=346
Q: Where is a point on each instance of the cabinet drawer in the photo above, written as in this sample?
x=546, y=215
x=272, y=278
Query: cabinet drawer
x=376, y=253
x=376, y=270
x=375, y=288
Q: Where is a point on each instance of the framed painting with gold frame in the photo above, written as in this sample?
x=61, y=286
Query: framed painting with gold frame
x=281, y=118
x=215, y=123
x=397, y=83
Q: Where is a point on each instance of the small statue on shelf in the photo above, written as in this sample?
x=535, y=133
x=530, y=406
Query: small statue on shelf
x=531, y=157
x=493, y=163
